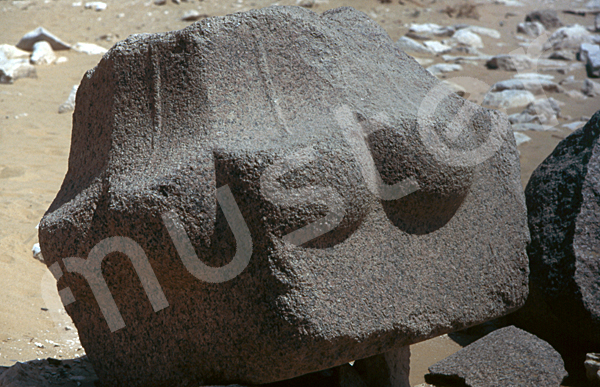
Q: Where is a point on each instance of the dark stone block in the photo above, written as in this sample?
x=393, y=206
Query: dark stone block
x=563, y=194
x=251, y=171
x=548, y=17
x=506, y=357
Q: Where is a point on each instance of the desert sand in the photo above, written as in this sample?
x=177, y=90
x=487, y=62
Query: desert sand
x=35, y=138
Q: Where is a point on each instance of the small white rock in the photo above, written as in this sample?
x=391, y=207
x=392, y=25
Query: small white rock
x=587, y=49
x=593, y=4
x=591, y=88
x=534, y=76
x=424, y=28
x=535, y=85
x=29, y=39
x=12, y=52
x=492, y=33
x=510, y=62
x=592, y=366
x=437, y=47
x=533, y=126
x=423, y=61
x=543, y=111
x=466, y=58
x=409, y=45
x=467, y=38
x=42, y=54
x=507, y=99
x=442, y=68
x=574, y=125
x=89, y=48
x=13, y=69
x=509, y=3
x=456, y=88
x=192, y=15
x=568, y=38
x=37, y=252
x=69, y=104
x=428, y=30
x=96, y=5
x=521, y=138
x=534, y=29
x=305, y=3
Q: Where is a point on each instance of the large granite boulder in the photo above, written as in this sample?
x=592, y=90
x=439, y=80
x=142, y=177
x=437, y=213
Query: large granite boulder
x=277, y=192
x=563, y=202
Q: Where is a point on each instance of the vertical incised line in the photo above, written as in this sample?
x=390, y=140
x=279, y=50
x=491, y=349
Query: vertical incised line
x=156, y=108
x=263, y=66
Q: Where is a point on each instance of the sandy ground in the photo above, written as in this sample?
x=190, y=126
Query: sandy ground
x=34, y=138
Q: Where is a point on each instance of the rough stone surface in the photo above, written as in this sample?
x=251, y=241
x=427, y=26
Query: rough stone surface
x=41, y=34
x=506, y=357
x=563, y=307
x=548, y=18
x=510, y=62
x=299, y=104
x=531, y=28
x=13, y=69
x=49, y=373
